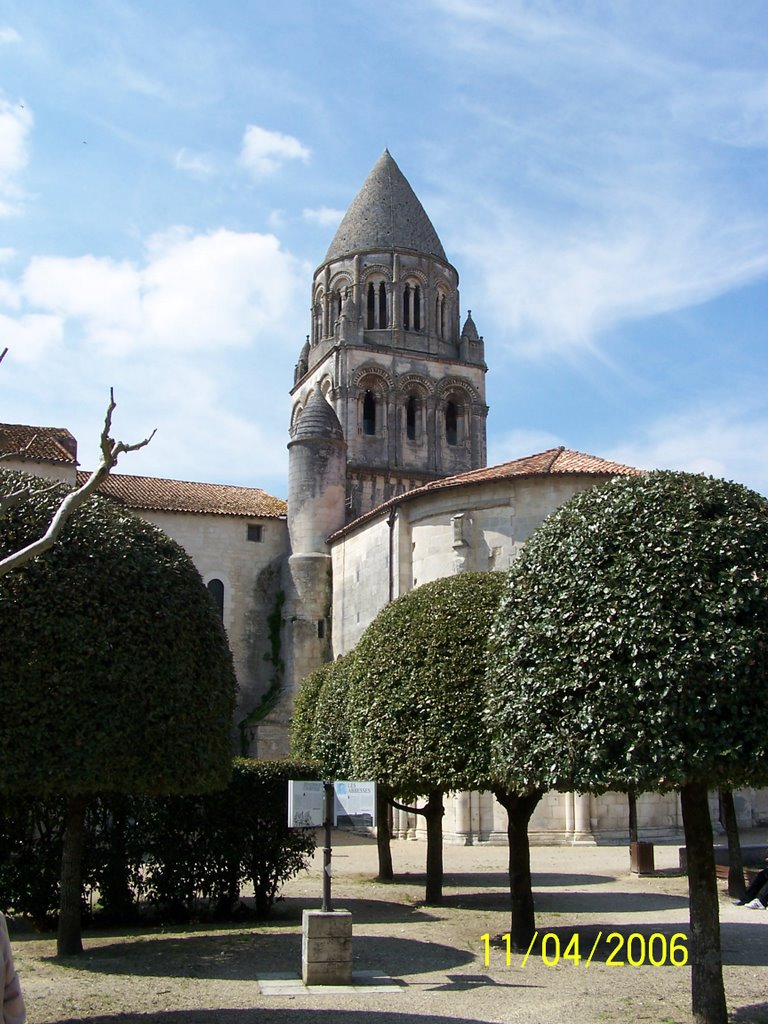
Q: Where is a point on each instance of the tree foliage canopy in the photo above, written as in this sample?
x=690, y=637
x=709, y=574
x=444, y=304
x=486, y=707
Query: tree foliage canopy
x=115, y=670
x=417, y=685
x=320, y=724
x=631, y=644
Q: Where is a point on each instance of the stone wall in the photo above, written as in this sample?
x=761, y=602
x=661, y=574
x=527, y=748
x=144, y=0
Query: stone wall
x=251, y=572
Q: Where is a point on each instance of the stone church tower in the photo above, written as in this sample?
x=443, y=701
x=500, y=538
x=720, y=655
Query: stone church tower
x=389, y=393
x=406, y=382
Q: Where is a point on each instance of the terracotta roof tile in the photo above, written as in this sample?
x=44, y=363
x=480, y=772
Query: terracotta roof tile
x=48, y=444
x=159, y=495
x=554, y=461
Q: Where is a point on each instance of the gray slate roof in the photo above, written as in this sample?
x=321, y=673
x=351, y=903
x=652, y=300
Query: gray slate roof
x=385, y=214
x=318, y=419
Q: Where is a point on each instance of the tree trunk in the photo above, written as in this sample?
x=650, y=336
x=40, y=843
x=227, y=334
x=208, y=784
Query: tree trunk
x=116, y=896
x=433, y=813
x=736, y=887
x=383, y=834
x=519, y=810
x=69, y=941
x=632, y=806
x=708, y=994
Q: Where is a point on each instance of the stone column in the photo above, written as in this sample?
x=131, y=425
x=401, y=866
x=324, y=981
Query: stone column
x=582, y=823
x=463, y=819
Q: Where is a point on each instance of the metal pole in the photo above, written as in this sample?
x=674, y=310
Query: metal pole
x=326, y=907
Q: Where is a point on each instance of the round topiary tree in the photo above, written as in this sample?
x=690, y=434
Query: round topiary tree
x=416, y=698
x=116, y=674
x=630, y=649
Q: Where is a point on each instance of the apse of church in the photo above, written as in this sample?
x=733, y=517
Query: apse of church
x=405, y=379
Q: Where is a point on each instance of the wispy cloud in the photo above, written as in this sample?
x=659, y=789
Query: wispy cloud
x=197, y=164
x=324, y=216
x=726, y=442
x=515, y=444
x=631, y=193
x=264, y=152
x=8, y=35
x=15, y=127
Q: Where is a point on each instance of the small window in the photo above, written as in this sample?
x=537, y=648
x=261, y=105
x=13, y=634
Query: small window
x=382, y=305
x=255, y=532
x=369, y=413
x=216, y=590
x=371, y=307
x=321, y=629
x=451, y=423
x=410, y=419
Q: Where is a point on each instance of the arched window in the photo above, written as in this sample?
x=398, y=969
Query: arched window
x=216, y=590
x=451, y=423
x=412, y=307
x=411, y=412
x=317, y=323
x=440, y=315
x=376, y=306
x=369, y=413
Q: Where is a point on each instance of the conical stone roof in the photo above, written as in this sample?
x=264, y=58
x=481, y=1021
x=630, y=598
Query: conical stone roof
x=385, y=214
x=318, y=420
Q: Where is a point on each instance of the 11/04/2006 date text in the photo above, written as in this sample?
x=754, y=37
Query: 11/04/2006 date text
x=634, y=950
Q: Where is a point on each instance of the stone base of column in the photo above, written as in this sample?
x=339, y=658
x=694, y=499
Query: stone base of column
x=326, y=947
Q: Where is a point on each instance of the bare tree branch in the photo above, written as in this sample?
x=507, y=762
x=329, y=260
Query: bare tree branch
x=111, y=450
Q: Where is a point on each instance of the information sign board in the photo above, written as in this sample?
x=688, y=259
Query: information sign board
x=354, y=803
x=305, y=804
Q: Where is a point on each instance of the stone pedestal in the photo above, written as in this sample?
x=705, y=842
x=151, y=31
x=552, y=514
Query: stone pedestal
x=326, y=947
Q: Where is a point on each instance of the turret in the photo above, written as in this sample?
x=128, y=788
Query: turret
x=316, y=476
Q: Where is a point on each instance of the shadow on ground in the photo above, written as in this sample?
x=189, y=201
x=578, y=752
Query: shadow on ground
x=276, y=1015
x=245, y=955
x=500, y=879
x=289, y=910
x=755, y=1014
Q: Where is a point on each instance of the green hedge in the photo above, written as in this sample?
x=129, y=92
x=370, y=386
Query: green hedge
x=173, y=858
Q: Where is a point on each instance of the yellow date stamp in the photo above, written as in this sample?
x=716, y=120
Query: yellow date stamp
x=633, y=950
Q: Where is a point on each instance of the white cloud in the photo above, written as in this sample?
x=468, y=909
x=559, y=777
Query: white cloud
x=15, y=126
x=324, y=216
x=102, y=295
x=30, y=338
x=163, y=331
x=197, y=164
x=263, y=152
x=195, y=292
x=722, y=442
x=9, y=35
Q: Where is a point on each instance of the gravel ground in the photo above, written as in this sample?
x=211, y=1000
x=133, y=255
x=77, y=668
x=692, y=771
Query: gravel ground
x=436, y=956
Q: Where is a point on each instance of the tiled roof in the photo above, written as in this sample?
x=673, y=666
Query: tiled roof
x=49, y=444
x=553, y=462
x=155, y=494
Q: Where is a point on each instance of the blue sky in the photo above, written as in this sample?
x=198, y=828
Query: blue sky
x=172, y=172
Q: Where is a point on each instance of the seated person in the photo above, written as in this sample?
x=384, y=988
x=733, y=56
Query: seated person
x=757, y=892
